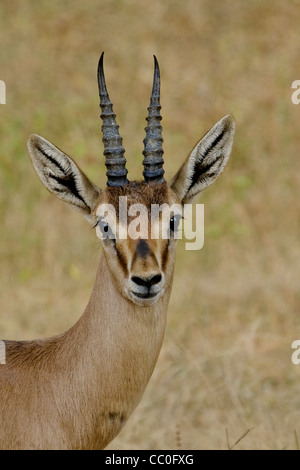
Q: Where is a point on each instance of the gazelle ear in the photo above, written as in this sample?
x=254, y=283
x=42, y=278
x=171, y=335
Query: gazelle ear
x=61, y=176
x=206, y=161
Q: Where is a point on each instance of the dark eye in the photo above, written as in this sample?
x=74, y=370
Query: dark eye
x=105, y=230
x=174, y=223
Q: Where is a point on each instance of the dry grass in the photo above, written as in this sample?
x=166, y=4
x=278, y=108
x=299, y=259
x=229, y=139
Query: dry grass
x=234, y=312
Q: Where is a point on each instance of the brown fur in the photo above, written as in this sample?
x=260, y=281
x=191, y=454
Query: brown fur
x=139, y=192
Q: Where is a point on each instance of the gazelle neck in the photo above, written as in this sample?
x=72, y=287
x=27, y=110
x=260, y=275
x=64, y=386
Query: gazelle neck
x=110, y=319
x=117, y=346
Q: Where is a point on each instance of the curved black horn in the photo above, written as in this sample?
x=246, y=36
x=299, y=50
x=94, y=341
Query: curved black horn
x=113, y=150
x=153, y=151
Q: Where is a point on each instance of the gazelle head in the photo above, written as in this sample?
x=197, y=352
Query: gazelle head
x=140, y=264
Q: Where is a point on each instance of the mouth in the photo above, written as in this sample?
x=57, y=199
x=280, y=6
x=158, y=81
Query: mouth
x=145, y=298
x=148, y=295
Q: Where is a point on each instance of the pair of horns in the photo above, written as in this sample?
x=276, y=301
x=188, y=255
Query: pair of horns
x=114, y=151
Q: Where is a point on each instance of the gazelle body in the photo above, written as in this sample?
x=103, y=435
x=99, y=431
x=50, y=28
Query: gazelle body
x=76, y=390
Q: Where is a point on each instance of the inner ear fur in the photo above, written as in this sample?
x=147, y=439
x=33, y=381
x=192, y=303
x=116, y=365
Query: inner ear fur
x=206, y=161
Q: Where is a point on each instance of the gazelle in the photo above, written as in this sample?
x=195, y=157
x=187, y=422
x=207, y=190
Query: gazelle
x=76, y=390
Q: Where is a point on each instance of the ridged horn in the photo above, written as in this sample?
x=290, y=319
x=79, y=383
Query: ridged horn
x=113, y=150
x=153, y=151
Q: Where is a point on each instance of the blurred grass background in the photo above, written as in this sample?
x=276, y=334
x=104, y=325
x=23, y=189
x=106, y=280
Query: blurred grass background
x=234, y=312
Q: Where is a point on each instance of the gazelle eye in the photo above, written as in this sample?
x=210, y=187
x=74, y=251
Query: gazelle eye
x=174, y=223
x=104, y=227
x=105, y=230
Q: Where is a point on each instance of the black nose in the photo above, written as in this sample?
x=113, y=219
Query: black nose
x=147, y=281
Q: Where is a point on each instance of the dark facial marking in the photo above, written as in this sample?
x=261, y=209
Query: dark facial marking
x=122, y=260
x=142, y=249
x=165, y=255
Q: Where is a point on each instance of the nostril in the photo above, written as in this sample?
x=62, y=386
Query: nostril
x=140, y=281
x=155, y=279
x=147, y=281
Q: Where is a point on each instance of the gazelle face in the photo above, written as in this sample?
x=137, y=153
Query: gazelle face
x=141, y=264
x=140, y=250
